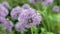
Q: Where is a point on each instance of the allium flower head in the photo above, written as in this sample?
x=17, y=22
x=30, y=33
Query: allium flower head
x=6, y=4
x=30, y=18
x=25, y=15
x=33, y=1
x=26, y=6
x=9, y=25
x=19, y=27
x=2, y=20
x=15, y=12
x=33, y=20
x=55, y=8
x=6, y=25
x=47, y=2
x=3, y=11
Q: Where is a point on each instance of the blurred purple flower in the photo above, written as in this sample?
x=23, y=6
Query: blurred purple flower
x=26, y=6
x=30, y=18
x=2, y=20
x=19, y=27
x=56, y=8
x=5, y=24
x=47, y=2
x=2, y=23
x=43, y=2
x=3, y=11
x=6, y=4
x=9, y=25
x=16, y=12
x=33, y=1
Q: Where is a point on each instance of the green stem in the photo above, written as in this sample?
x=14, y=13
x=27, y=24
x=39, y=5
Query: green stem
x=31, y=30
x=22, y=32
x=36, y=31
x=5, y=32
x=44, y=25
x=45, y=14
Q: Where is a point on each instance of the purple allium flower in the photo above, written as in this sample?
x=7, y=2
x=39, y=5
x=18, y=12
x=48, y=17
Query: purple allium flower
x=3, y=11
x=33, y=1
x=9, y=25
x=16, y=12
x=34, y=20
x=19, y=27
x=47, y=2
x=2, y=20
x=26, y=6
x=6, y=25
x=24, y=15
x=56, y=9
x=6, y=4
x=30, y=18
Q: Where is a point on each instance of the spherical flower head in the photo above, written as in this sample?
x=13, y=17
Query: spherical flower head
x=2, y=20
x=9, y=25
x=6, y=4
x=19, y=27
x=34, y=20
x=24, y=15
x=30, y=18
x=16, y=12
x=56, y=8
x=3, y=11
x=26, y=6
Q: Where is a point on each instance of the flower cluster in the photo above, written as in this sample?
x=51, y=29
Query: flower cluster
x=47, y=2
x=27, y=17
x=43, y=2
x=3, y=11
x=5, y=24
